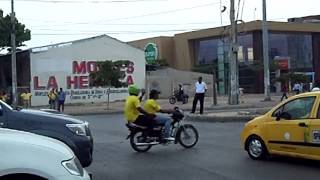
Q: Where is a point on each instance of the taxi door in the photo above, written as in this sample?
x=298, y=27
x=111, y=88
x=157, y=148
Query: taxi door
x=314, y=134
x=287, y=130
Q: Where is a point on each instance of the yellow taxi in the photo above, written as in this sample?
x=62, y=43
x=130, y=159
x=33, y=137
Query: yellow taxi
x=292, y=128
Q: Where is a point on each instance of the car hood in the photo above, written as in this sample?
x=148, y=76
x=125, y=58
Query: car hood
x=256, y=120
x=21, y=137
x=31, y=113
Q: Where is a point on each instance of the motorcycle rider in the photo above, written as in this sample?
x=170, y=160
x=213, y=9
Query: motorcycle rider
x=152, y=107
x=133, y=111
x=180, y=92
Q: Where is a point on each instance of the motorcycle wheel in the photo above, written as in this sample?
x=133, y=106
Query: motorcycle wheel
x=187, y=136
x=172, y=100
x=134, y=139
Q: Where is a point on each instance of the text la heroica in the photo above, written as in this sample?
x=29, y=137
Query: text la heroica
x=79, y=79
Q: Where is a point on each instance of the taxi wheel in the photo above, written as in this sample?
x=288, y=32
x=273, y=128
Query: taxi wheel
x=256, y=148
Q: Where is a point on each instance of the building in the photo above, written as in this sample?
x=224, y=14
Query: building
x=293, y=45
x=69, y=64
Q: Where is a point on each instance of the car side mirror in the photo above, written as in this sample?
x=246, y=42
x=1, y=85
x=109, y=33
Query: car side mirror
x=283, y=115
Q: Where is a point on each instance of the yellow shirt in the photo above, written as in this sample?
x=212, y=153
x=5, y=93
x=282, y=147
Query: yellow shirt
x=52, y=95
x=152, y=106
x=26, y=96
x=130, y=109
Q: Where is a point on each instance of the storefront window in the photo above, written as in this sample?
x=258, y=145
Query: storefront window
x=206, y=51
x=296, y=47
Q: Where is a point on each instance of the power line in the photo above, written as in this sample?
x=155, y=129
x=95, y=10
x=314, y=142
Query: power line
x=134, y=17
x=143, y=24
x=112, y=32
x=162, y=12
x=87, y=1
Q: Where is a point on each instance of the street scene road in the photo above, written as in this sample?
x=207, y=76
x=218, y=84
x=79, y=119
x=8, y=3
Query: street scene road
x=218, y=155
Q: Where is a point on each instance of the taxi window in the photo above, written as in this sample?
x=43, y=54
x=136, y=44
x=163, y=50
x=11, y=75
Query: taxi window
x=298, y=109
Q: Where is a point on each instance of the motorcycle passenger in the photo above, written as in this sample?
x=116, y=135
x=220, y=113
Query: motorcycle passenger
x=153, y=107
x=133, y=111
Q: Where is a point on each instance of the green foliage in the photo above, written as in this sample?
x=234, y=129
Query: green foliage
x=109, y=74
x=22, y=34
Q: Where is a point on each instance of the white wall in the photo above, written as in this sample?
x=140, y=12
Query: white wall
x=58, y=62
x=168, y=79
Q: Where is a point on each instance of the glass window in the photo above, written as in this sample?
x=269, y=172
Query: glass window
x=250, y=54
x=206, y=50
x=298, y=109
x=240, y=54
x=294, y=46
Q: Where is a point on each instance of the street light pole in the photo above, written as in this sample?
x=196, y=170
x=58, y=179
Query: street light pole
x=265, y=53
x=13, y=56
x=233, y=96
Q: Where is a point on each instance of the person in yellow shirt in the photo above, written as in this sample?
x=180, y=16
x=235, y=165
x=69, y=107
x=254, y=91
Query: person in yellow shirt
x=153, y=107
x=26, y=99
x=52, y=95
x=133, y=111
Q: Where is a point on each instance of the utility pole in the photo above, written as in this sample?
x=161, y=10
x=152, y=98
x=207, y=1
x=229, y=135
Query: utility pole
x=13, y=56
x=265, y=42
x=233, y=70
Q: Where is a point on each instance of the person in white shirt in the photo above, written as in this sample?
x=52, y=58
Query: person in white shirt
x=296, y=88
x=201, y=88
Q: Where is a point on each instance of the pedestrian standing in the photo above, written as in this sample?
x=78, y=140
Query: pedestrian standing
x=284, y=90
x=201, y=88
x=296, y=88
x=26, y=99
x=56, y=101
x=52, y=96
x=61, y=100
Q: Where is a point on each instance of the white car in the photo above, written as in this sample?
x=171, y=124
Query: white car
x=29, y=156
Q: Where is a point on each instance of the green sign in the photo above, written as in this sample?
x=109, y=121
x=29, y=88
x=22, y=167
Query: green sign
x=151, y=53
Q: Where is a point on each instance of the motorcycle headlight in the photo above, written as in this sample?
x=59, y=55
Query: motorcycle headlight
x=79, y=129
x=73, y=166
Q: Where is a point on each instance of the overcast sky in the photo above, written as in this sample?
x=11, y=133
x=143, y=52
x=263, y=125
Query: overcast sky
x=54, y=21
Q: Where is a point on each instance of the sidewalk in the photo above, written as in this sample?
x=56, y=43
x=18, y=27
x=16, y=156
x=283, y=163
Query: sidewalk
x=253, y=104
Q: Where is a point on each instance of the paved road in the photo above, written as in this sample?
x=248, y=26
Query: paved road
x=218, y=155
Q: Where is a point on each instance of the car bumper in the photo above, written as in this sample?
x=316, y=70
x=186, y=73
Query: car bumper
x=86, y=176
x=84, y=150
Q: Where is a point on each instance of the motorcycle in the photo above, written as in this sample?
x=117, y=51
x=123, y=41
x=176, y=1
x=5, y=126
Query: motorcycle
x=177, y=97
x=184, y=134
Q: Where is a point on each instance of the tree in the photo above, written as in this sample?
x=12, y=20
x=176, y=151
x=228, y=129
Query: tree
x=109, y=74
x=22, y=34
